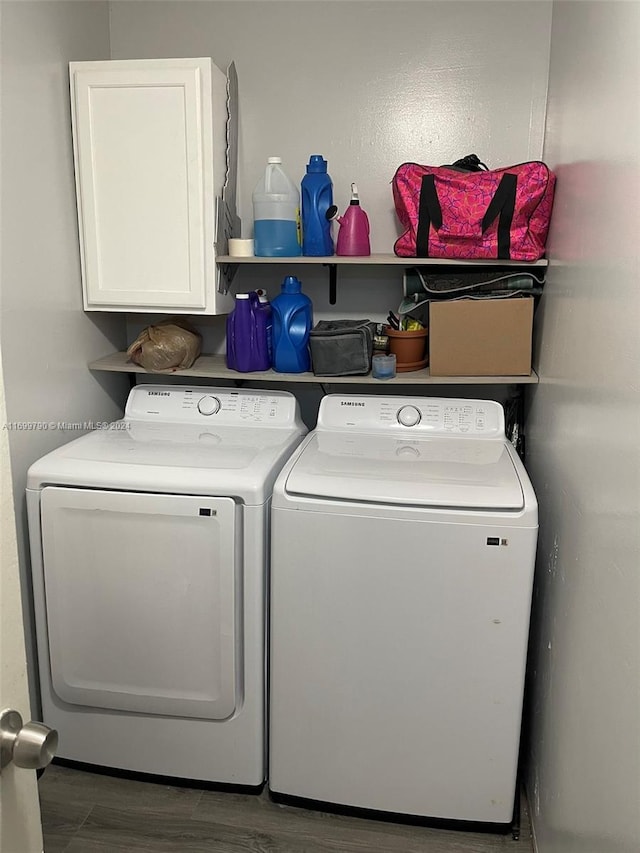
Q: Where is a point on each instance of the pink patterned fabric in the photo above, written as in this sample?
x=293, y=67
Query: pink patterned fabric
x=464, y=198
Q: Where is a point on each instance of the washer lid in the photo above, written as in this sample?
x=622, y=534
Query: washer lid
x=173, y=458
x=437, y=472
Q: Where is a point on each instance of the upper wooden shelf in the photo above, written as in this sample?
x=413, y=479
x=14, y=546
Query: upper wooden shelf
x=380, y=260
x=388, y=260
x=214, y=367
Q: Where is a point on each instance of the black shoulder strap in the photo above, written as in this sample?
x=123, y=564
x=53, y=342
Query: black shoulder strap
x=429, y=213
x=503, y=203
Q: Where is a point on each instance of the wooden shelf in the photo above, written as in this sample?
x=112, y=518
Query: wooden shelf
x=214, y=367
x=380, y=260
x=334, y=261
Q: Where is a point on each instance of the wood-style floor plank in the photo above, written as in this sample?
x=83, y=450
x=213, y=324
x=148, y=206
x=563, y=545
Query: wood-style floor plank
x=81, y=845
x=60, y=822
x=67, y=785
x=335, y=830
x=93, y=813
x=161, y=832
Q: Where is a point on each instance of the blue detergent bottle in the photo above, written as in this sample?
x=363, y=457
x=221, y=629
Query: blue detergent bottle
x=317, y=198
x=292, y=315
x=247, y=348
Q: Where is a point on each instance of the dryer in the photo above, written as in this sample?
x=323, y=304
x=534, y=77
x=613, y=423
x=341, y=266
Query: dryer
x=149, y=551
x=403, y=543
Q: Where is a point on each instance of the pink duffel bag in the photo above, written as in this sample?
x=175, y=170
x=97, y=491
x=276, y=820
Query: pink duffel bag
x=498, y=214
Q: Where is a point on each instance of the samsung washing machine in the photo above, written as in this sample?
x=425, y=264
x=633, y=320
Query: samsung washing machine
x=403, y=543
x=149, y=551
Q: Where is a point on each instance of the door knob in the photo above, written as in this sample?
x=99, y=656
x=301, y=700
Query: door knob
x=31, y=746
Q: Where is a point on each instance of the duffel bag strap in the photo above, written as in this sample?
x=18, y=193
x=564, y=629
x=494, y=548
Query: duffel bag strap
x=429, y=212
x=470, y=163
x=503, y=203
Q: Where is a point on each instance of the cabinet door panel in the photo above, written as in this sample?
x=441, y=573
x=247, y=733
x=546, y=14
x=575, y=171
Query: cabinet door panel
x=141, y=157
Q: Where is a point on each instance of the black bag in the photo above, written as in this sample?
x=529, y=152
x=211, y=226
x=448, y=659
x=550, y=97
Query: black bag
x=470, y=163
x=342, y=347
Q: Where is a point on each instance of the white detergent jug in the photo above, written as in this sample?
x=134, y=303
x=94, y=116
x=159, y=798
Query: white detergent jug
x=276, y=214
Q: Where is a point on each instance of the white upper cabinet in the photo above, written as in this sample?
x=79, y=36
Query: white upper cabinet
x=149, y=143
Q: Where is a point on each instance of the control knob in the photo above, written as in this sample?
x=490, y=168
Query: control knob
x=208, y=405
x=409, y=416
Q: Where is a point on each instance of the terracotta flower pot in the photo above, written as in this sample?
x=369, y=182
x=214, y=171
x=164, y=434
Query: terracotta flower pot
x=408, y=348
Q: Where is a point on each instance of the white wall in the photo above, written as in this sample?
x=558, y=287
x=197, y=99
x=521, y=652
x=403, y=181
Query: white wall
x=20, y=828
x=583, y=447
x=369, y=85
x=46, y=338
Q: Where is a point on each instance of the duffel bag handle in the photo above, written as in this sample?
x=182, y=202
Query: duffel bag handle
x=503, y=204
x=429, y=211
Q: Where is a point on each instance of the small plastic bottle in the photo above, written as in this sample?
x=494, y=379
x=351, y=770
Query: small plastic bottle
x=265, y=306
x=292, y=314
x=276, y=214
x=247, y=335
x=353, y=236
x=317, y=198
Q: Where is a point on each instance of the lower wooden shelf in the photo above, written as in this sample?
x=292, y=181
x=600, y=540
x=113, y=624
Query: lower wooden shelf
x=214, y=367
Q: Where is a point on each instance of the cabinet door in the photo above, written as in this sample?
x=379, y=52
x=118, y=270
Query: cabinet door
x=142, y=147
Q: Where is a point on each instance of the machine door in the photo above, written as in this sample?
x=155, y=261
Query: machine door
x=398, y=653
x=142, y=597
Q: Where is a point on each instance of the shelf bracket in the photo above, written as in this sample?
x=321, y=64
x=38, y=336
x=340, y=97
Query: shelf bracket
x=333, y=282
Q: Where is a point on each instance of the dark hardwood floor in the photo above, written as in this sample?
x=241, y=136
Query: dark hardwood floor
x=86, y=812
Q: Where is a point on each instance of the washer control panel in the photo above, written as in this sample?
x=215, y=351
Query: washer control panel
x=202, y=404
x=418, y=415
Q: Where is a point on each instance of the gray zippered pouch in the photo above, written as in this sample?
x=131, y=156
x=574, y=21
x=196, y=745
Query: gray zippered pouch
x=342, y=347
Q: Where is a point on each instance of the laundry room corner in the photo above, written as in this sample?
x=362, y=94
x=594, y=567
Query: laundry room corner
x=582, y=748
x=46, y=339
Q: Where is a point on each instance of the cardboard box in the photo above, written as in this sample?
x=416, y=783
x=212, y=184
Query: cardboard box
x=481, y=337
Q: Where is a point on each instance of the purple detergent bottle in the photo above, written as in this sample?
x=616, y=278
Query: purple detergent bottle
x=247, y=335
x=353, y=236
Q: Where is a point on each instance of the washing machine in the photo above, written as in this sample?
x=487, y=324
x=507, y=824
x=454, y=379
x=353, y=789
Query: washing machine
x=149, y=552
x=404, y=534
